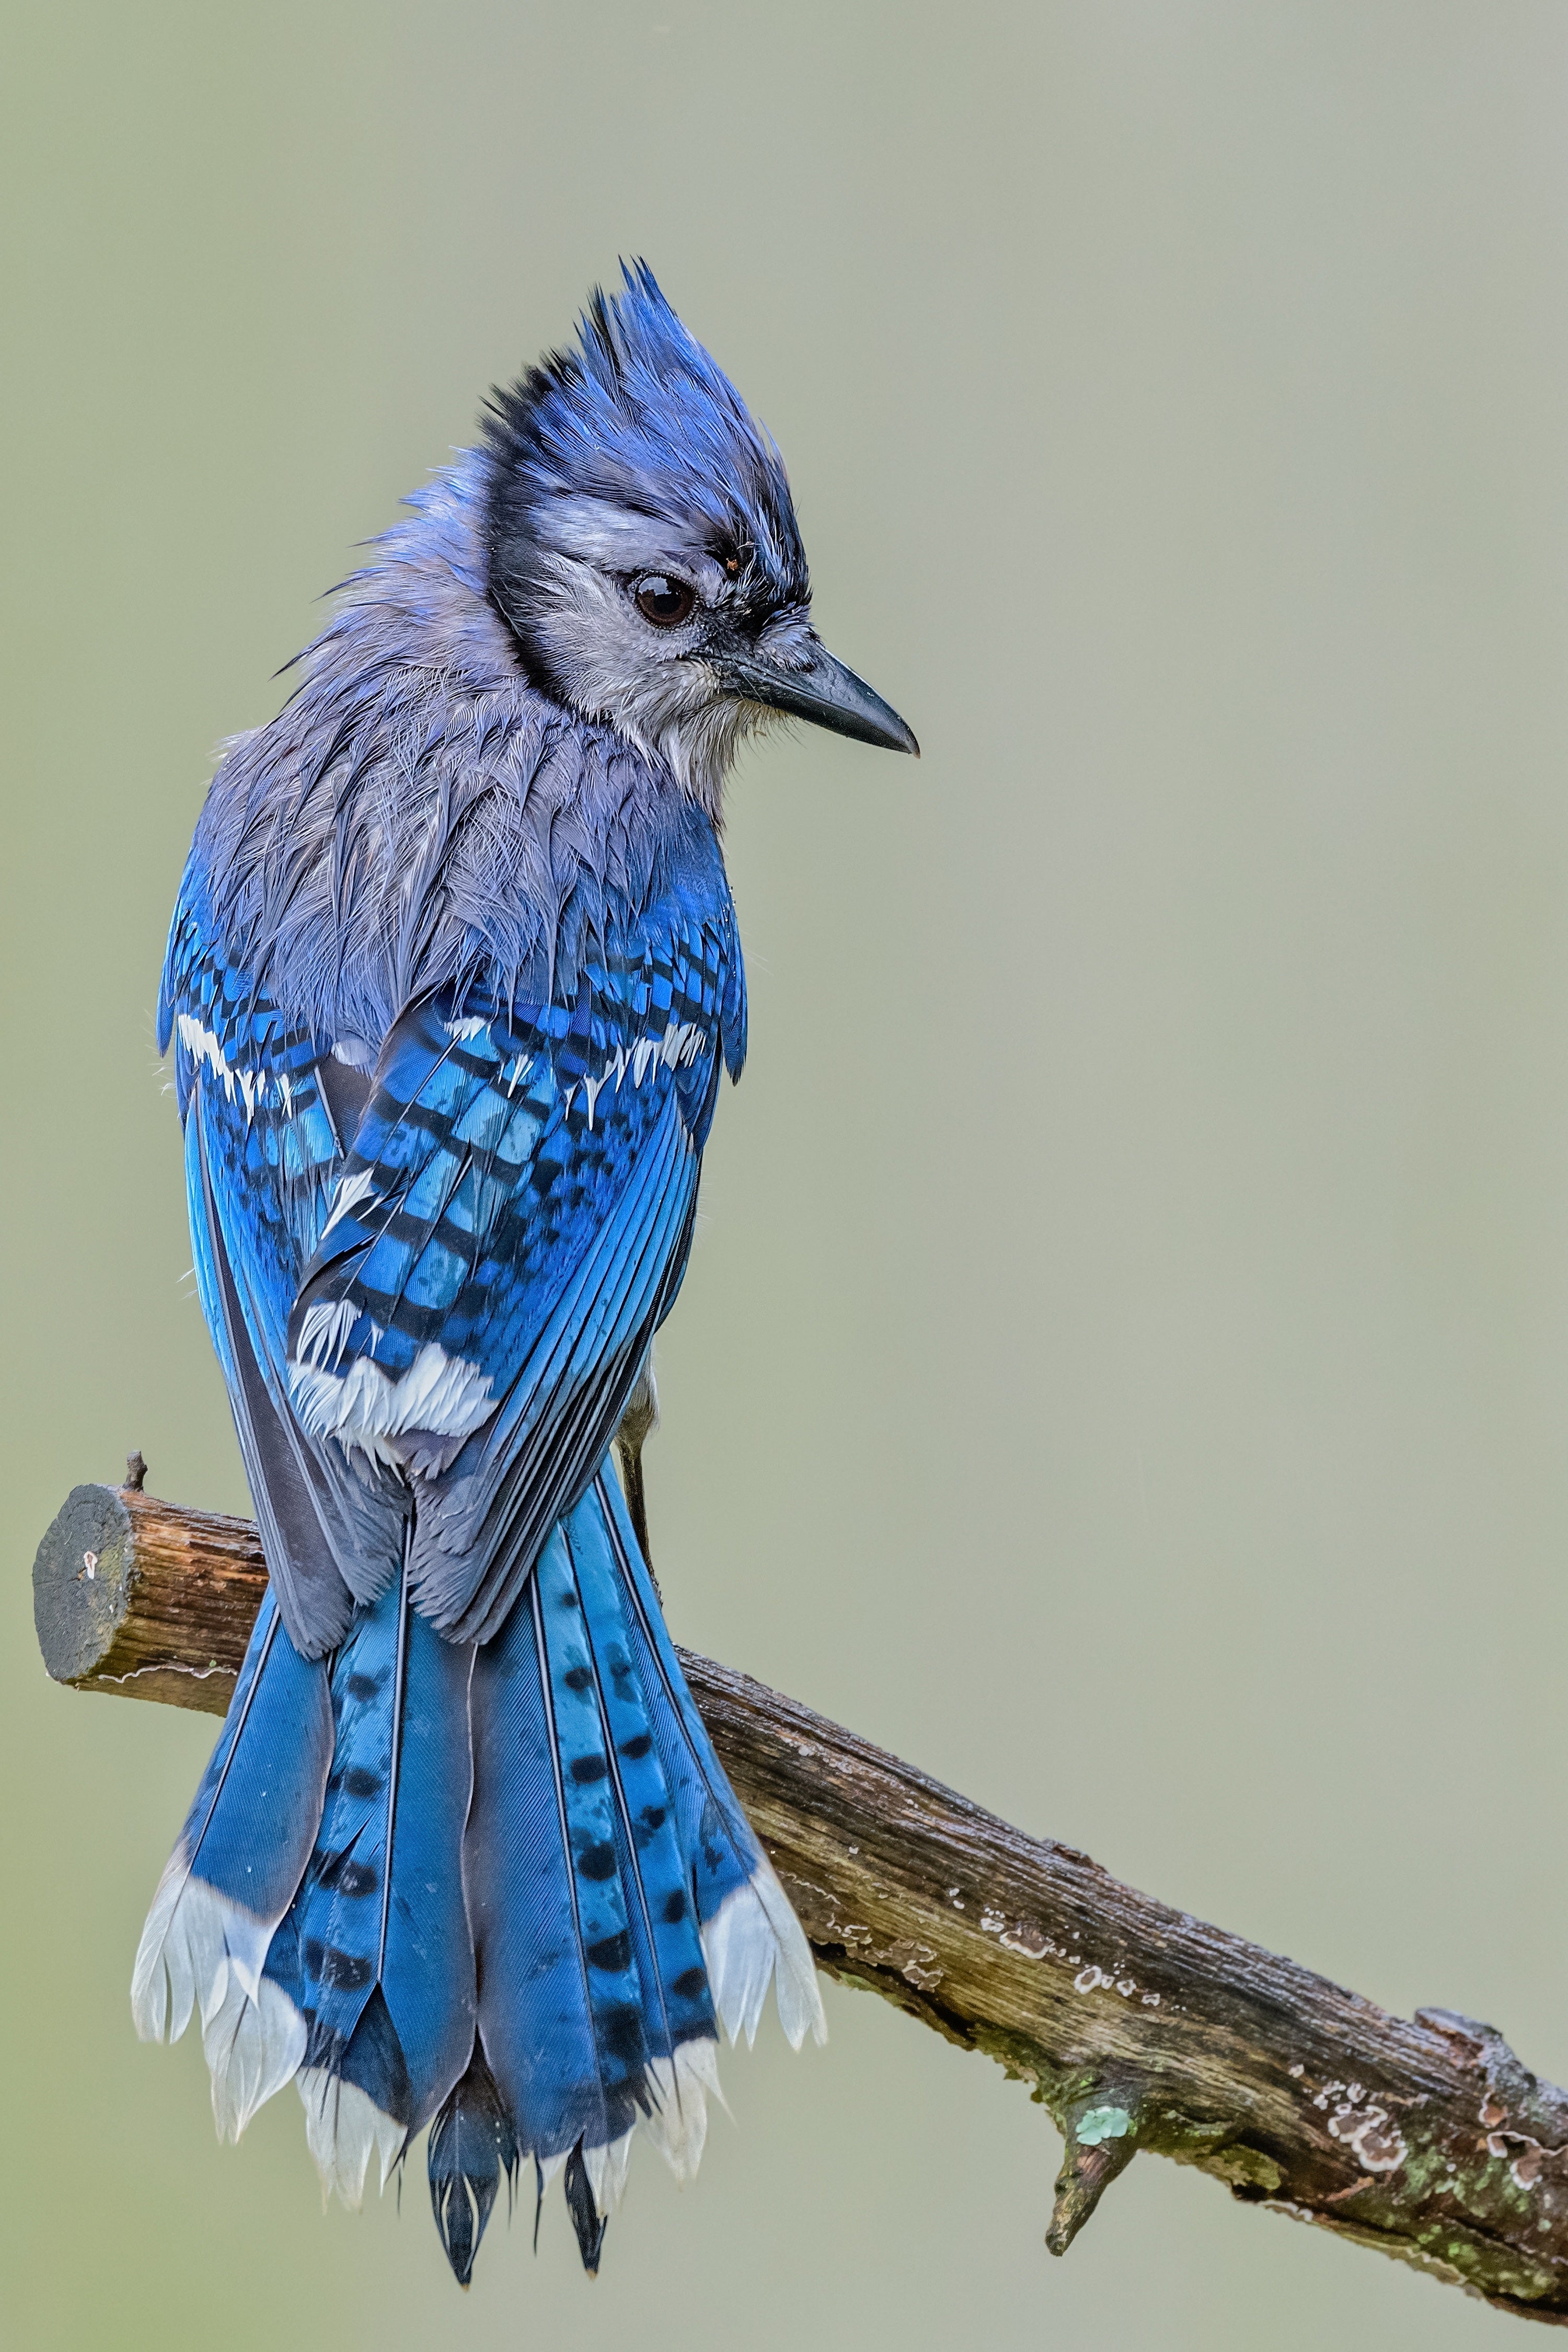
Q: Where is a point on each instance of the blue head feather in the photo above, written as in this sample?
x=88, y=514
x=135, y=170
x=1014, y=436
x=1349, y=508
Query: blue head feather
x=640, y=418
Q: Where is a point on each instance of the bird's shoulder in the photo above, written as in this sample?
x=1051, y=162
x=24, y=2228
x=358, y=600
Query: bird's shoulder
x=283, y=974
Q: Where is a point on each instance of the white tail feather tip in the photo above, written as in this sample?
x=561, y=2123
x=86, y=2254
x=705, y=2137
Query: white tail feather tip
x=342, y=2124
x=193, y=1939
x=678, y=2123
x=606, y=2169
x=754, y=1936
x=253, y=2048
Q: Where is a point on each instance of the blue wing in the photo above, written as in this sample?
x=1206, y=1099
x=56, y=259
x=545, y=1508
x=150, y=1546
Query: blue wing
x=262, y=1151
x=509, y=1229
x=433, y=1289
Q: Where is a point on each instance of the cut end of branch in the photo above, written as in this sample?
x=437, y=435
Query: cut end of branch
x=1102, y=2135
x=79, y=1582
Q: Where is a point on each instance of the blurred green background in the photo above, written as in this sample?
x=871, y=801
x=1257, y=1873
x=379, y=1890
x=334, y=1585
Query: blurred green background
x=1124, y=1365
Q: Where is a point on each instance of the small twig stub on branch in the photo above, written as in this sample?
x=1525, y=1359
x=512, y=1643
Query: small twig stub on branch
x=1142, y=2030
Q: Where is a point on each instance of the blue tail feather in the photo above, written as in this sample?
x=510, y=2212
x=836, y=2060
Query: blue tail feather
x=535, y=2017
x=233, y=1875
x=428, y=1962
x=338, y=1909
x=654, y=1867
x=601, y=1898
x=378, y=1956
x=711, y=1828
x=504, y=1889
x=261, y=1791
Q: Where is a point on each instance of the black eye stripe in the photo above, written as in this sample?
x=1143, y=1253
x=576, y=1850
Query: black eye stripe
x=664, y=601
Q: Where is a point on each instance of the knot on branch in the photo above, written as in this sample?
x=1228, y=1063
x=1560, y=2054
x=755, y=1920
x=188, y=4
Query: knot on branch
x=1100, y=2129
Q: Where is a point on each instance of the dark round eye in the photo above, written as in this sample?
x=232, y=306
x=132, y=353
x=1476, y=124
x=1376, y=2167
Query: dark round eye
x=664, y=601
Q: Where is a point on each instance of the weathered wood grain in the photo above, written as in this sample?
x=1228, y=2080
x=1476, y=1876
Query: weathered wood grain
x=1140, y=2028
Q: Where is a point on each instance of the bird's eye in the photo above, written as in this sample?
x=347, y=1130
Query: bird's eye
x=664, y=601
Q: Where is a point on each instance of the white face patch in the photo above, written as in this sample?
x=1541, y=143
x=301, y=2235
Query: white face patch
x=652, y=686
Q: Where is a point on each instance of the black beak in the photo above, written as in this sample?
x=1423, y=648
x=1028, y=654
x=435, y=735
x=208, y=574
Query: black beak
x=826, y=692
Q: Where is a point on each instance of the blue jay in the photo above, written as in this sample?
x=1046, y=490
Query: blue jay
x=450, y=981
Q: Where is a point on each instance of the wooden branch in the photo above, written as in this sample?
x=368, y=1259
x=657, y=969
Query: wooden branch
x=1137, y=2026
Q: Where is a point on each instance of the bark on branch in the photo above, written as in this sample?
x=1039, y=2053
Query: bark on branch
x=1138, y=2027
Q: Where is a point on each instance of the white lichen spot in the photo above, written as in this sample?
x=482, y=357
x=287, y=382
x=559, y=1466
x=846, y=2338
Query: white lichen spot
x=1370, y=2135
x=1088, y=1979
x=1297, y=2072
x=991, y=1922
x=1102, y=2123
x=1151, y=2001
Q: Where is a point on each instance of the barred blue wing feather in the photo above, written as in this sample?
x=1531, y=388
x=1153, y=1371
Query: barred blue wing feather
x=505, y=1236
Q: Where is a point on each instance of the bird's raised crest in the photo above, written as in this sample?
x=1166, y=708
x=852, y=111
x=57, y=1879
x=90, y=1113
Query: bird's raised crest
x=639, y=416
